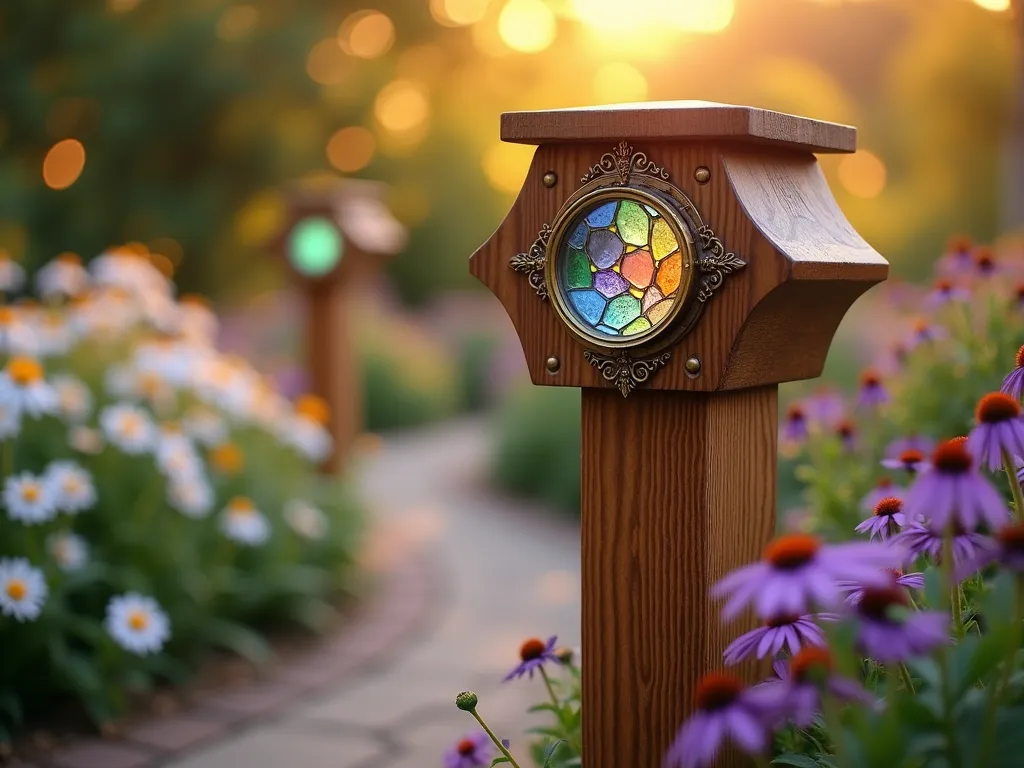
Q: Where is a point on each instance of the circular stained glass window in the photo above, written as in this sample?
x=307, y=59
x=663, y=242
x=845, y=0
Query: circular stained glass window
x=622, y=267
x=315, y=246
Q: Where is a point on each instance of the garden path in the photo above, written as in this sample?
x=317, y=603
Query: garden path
x=509, y=571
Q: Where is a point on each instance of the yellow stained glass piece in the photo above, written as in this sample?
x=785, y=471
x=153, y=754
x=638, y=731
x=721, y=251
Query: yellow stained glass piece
x=638, y=293
x=663, y=240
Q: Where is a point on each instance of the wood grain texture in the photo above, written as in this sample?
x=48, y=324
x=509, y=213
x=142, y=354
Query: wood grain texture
x=678, y=119
x=805, y=265
x=678, y=490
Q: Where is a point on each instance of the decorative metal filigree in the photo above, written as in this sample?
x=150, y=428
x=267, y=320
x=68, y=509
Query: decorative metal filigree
x=625, y=372
x=532, y=262
x=624, y=162
x=715, y=263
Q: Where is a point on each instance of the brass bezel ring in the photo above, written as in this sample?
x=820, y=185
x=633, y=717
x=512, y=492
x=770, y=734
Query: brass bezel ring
x=671, y=205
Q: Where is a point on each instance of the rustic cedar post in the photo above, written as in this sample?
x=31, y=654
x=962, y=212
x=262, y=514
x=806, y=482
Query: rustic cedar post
x=335, y=239
x=677, y=261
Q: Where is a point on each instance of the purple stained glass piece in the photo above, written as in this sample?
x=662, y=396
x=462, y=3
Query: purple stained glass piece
x=604, y=248
x=610, y=283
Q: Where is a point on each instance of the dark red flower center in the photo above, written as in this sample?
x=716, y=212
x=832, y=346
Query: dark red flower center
x=782, y=620
x=808, y=659
x=1020, y=352
x=1012, y=537
x=846, y=429
x=896, y=572
x=997, y=407
x=884, y=482
x=532, y=649
x=466, y=748
x=870, y=379
x=792, y=550
x=1020, y=291
x=911, y=456
x=795, y=413
x=943, y=286
x=984, y=259
x=717, y=690
x=952, y=458
x=922, y=326
x=877, y=601
x=959, y=244
x=888, y=506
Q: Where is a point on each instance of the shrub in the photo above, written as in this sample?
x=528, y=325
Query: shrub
x=538, y=446
x=158, y=498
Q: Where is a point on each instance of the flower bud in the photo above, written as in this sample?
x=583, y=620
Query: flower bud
x=466, y=701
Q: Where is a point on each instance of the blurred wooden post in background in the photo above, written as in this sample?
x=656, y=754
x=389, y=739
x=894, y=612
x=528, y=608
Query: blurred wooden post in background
x=335, y=239
x=677, y=261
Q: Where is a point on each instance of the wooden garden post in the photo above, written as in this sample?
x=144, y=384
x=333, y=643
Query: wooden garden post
x=334, y=241
x=676, y=261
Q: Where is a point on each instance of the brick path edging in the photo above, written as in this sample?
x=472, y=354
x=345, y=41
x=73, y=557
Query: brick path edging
x=409, y=587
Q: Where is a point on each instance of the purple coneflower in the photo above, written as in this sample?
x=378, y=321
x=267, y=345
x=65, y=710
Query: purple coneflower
x=532, y=654
x=887, y=637
x=726, y=712
x=945, y=291
x=470, y=752
x=1018, y=296
x=873, y=393
x=887, y=519
x=954, y=491
x=927, y=541
x=908, y=453
x=985, y=264
x=1007, y=549
x=799, y=571
x=789, y=633
x=883, y=489
x=899, y=578
x=999, y=429
x=825, y=408
x=846, y=431
x=796, y=694
x=925, y=331
x=957, y=258
x=794, y=429
x=1013, y=384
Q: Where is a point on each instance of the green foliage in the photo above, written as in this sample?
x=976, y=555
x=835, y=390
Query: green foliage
x=475, y=358
x=538, y=446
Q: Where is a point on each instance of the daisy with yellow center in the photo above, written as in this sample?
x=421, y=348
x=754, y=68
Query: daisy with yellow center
x=193, y=497
x=18, y=331
x=29, y=499
x=243, y=523
x=306, y=430
x=71, y=486
x=227, y=458
x=23, y=387
x=74, y=400
x=128, y=427
x=12, y=274
x=23, y=589
x=62, y=276
x=205, y=426
x=68, y=550
x=137, y=623
x=305, y=519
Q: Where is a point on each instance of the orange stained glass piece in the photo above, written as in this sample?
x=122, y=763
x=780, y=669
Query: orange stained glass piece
x=638, y=268
x=658, y=311
x=669, y=273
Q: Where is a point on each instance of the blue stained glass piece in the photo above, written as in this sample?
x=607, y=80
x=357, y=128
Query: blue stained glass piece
x=579, y=237
x=589, y=303
x=602, y=216
x=605, y=329
x=651, y=210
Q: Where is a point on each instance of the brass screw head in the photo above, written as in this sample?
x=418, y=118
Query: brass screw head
x=702, y=175
x=692, y=365
x=550, y=179
x=553, y=364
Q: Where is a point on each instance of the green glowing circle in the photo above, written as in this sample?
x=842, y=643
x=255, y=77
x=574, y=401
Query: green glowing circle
x=315, y=246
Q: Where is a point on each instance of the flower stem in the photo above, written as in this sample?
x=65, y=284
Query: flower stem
x=1011, y=475
x=998, y=689
x=947, y=699
x=495, y=739
x=571, y=738
x=908, y=682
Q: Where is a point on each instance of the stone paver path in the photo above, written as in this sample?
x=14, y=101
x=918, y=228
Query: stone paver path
x=509, y=570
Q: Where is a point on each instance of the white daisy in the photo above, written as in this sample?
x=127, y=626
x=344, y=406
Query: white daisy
x=128, y=427
x=23, y=387
x=71, y=486
x=137, y=623
x=306, y=428
x=12, y=275
x=196, y=321
x=205, y=426
x=243, y=523
x=68, y=550
x=306, y=520
x=192, y=497
x=22, y=589
x=54, y=334
x=10, y=421
x=175, y=454
x=62, y=276
x=28, y=498
x=85, y=440
x=73, y=398
x=171, y=360
x=17, y=332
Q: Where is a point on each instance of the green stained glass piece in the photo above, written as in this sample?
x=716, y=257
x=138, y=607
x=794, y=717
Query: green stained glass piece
x=621, y=311
x=315, y=246
x=577, y=269
x=639, y=325
x=633, y=223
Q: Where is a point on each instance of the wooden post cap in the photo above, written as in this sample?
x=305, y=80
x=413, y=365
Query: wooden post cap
x=675, y=245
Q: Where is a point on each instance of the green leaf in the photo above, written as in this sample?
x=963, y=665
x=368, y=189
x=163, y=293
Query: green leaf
x=240, y=640
x=550, y=751
x=800, y=761
x=934, y=587
x=499, y=761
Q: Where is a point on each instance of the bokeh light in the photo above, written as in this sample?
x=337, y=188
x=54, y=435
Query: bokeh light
x=458, y=13
x=366, y=34
x=327, y=63
x=505, y=165
x=527, y=26
x=121, y=6
x=63, y=164
x=993, y=5
x=169, y=247
x=260, y=219
x=315, y=246
x=237, y=21
x=402, y=106
x=619, y=82
x=351, y=149
x=687, y=15
x=862, y=174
